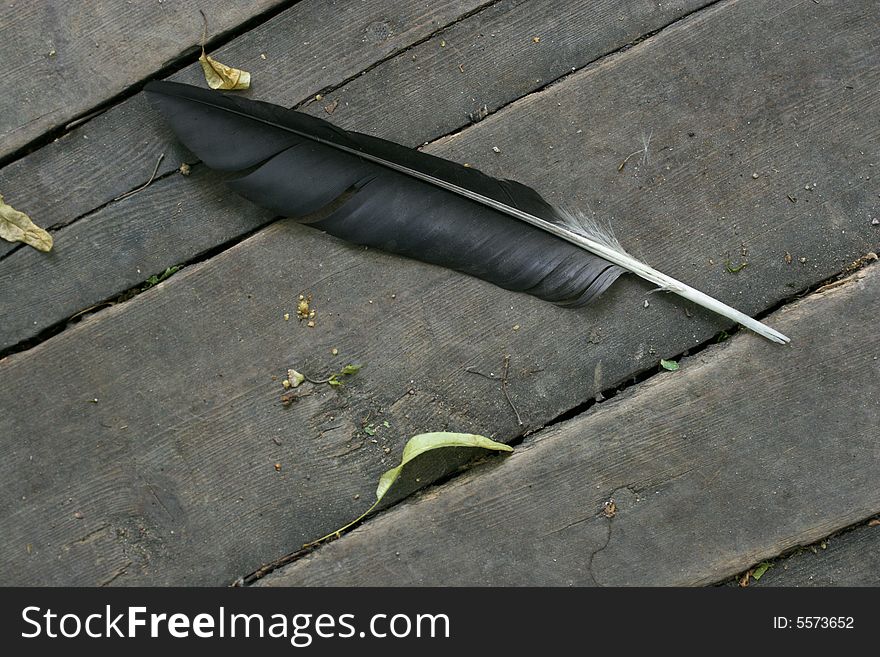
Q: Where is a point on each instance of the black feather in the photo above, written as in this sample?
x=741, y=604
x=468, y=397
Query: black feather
x=304, y=167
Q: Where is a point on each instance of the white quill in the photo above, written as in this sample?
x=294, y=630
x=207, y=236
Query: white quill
x=588, y=236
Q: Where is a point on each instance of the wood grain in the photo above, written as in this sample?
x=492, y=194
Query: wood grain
x=134, y=135
x=61, y=59
x=852, y=559
x=292, y=56
x=172, y=469
x=745, y=452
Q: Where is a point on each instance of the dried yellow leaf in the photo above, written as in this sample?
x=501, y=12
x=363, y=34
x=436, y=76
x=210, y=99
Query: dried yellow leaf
x=16, y=226
x=221, y=76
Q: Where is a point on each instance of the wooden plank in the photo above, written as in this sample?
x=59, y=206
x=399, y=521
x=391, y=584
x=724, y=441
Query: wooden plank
x=745, y=452
x=477, y=66
x=138, y=134
x=67, y=58
x=306, y=49
x=852, y=559
x=186, y=367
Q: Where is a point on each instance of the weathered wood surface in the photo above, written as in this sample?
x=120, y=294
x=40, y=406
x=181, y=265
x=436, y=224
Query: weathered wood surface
x=134, y=135
x=477, y=66
x=307, y=49
x=745, y=452
x=852, y=559
x=186, y=367
x=62, y=59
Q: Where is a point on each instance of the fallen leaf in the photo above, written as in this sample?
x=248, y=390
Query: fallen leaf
x=221, y=76
x=294, y=378
x=416, y=447
x=670, y=365
x=760, y=569
x=426, y=442
x=16, y=226
x=874, y=523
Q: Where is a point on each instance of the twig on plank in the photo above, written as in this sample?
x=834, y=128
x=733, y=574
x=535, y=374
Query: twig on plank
x=504, y=389
x=503, y=378
x=146, y=184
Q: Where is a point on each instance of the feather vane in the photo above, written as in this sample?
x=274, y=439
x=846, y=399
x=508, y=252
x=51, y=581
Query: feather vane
x=377, y=193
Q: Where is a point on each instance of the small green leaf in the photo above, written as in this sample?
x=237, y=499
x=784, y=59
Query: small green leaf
x=735, y=269
x=414, y=448
x=760, y=569
x=333, y=381
x=670, y=365
x=370, y=430
x=386, y=425
x=350, y=369
x=295, y=378
x=155, y=279
x=168, y=272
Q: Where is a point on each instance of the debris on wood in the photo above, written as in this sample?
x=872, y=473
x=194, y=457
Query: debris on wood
x=760, y=569
x=221, y=76
x=505, y=367
x=146, y=184
x=331, y=107
x=669, y=365
x=155, y=279
x=478, y=116
x=185, y=169
x=294, y=378
x=303, y=310
x=609, y=509
x=16, y=226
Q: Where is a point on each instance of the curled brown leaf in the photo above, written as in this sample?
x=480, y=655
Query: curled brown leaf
x=221, y=76
x=16, y=226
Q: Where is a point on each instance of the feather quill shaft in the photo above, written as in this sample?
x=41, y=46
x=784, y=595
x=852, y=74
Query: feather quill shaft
x=268, y=116
x=618, y=257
